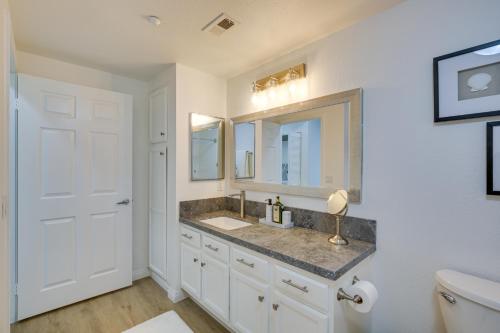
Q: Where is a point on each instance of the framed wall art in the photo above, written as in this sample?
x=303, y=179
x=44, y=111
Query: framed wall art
x=467, y=83
x=493, y=158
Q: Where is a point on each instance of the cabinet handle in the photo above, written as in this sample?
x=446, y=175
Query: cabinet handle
x=162, y=153
x=162, y=133
x=209, y=246
x=203, y=264
x=261, y=298
x=275, y=307
x=195, y=259
x=187, y=236
x=242, y=261
x=290, y=283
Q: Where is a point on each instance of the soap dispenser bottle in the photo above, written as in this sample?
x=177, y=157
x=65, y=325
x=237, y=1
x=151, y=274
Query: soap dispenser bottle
x=278, y=208
x=269, y=210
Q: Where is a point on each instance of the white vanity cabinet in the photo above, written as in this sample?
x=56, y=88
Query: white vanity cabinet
x=291, y=316
x=158, y=116
x=249, y=303
x=252, y=293
x=190, y=270
x=215, y=285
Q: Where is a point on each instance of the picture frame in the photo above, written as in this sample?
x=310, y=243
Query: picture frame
x=467, y=83
x=493, y=158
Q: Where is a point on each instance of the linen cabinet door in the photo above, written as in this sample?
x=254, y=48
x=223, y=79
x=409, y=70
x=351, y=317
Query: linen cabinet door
x=215, y=286
x=249, y=304
x=288, y=315
x=158, y=116
x=190, y=270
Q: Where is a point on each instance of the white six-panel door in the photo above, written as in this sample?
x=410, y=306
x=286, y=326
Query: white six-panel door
x=74, y=196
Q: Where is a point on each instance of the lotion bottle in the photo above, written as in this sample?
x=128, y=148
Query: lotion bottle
x=269, y=211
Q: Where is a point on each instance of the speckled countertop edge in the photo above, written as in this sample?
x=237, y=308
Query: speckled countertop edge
x=194, y=222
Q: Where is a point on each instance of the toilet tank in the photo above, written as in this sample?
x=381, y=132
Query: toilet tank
x=469, y=304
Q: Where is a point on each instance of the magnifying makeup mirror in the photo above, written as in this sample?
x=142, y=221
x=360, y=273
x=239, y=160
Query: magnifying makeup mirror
x=337, y=205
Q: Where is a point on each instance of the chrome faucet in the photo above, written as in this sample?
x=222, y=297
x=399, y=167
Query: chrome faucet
x=241, y=195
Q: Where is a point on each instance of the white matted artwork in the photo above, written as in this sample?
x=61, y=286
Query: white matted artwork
x=493, y=158
x=467, y=83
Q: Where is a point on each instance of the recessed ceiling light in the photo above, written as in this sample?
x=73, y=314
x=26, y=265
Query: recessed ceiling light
x=155, y=20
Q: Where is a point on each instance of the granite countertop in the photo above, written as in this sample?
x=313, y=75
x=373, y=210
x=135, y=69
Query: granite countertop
x=300, y=247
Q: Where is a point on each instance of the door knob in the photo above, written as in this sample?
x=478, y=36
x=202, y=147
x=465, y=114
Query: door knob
x=123, y=202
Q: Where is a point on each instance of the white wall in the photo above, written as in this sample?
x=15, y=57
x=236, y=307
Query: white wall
x=189, y=90
x=61, y=71
x=423, y=183
x=6, y=51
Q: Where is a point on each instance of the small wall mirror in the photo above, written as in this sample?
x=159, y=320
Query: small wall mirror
x=310, y=148
x=207, y=147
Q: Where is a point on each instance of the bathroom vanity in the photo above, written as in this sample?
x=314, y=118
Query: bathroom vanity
x=257, y=278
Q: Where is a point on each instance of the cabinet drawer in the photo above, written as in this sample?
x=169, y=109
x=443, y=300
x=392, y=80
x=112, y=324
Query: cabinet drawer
x=301, y=288
x=215, y=249
x=191, y=237
x=249, y=264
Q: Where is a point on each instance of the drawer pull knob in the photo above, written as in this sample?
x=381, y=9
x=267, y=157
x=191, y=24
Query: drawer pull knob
x=187, y=236
x=203, y=264
x=162, y=133
x=209, y=246
x=290, y=283
x=275, y=307
x=195, y=259
x=242, y=261
x=261, y=299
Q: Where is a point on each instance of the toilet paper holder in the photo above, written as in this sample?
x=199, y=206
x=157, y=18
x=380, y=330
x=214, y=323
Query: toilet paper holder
x=341, y=294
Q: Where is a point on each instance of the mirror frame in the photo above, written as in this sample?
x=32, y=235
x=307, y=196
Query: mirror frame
x=222, y=143
x=355, y=146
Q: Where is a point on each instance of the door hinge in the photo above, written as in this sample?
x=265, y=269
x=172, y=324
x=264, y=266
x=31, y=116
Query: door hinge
x=16, y=289
x=4, y=207
x=18, y=104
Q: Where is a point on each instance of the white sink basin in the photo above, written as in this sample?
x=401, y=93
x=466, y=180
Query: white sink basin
x=226, y=223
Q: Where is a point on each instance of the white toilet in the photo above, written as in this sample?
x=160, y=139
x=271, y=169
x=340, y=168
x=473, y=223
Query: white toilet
x=469, y=304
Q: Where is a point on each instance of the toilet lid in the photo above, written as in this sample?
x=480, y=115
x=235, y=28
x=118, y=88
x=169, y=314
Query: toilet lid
x=479, y=290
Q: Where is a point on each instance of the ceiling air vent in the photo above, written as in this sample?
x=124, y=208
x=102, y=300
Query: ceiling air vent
x=220, y=24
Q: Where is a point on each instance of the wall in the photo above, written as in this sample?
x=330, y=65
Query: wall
x=6, y=52
x=189, y=90
x=424, y=183
x=61, y=71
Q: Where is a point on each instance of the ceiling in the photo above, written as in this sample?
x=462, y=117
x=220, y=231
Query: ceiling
x=113, y=35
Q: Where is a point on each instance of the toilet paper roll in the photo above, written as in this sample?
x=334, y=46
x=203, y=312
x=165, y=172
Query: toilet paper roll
x=367, y=291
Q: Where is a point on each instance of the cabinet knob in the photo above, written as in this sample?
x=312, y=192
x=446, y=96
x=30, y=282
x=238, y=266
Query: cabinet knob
x=275, y=307
x=203, y=264
x=162, y=133
x=195, y=259
x=261, y=298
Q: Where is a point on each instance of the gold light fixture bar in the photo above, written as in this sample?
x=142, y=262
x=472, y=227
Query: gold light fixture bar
x=281, y=77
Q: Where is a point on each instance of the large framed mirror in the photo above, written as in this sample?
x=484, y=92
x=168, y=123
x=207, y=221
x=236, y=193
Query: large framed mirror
x=207, y=147
x=309, y=148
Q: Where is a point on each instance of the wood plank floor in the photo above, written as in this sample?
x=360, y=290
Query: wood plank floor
x=118, y=311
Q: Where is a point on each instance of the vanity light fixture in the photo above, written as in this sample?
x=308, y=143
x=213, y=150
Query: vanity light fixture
x=280, y=88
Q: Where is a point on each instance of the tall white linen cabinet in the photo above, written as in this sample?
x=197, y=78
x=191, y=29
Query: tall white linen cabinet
x=158, y=185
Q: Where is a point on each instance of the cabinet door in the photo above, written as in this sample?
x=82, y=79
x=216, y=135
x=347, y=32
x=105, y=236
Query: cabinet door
x=190, y=270
x=158, y=210
x=288, y=315
x=215, y=286
x=158, y=116
x=249, y=304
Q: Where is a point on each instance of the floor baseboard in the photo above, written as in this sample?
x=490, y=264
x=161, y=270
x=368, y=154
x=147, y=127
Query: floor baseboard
x=140, y=273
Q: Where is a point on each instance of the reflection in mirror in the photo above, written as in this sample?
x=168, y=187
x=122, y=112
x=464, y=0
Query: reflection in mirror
x=305, y=148
x=207, y=147
x=244, y=143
